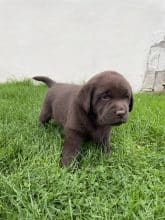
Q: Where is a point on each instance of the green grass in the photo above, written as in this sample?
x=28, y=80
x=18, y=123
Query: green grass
x=129, y=184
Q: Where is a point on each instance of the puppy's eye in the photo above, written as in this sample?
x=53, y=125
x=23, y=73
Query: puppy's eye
x=106, y=97
x=126, y=96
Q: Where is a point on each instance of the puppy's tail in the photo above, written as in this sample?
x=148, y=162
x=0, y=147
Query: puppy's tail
x=49, y=82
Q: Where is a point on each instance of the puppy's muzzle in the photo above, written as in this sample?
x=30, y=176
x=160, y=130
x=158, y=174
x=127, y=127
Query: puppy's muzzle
x=120, y=113
x=120, y=116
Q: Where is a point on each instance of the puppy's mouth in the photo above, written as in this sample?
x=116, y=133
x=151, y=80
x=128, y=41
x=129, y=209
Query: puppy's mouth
x=118, y=123
x=113, y=121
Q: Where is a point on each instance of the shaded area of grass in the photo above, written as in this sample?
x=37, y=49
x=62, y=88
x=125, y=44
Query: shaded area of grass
x=127, y=185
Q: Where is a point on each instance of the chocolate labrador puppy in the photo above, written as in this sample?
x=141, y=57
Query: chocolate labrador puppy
x=87, y=111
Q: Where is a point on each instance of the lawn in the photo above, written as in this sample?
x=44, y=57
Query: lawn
x=129, y=184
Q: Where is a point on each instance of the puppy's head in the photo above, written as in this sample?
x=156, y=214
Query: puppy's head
x=107, y=98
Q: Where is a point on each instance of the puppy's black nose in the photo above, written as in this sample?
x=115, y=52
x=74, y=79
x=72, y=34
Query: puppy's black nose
x=120, y=113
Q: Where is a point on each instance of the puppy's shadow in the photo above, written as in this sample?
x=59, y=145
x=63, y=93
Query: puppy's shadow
x=90, y=154
x=53, y=128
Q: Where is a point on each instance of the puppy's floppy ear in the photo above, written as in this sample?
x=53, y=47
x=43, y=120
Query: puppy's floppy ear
x=131, y=102
x=85, y=97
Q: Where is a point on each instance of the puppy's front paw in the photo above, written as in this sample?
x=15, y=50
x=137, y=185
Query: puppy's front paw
x=107, y=149
x=71, y=149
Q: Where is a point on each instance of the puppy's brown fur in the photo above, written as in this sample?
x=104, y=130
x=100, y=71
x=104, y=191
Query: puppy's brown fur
x=88, y=111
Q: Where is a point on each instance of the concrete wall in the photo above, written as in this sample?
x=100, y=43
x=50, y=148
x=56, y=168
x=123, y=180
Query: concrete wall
x=70, y=40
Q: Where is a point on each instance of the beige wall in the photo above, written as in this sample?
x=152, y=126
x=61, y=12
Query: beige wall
x=70, y=40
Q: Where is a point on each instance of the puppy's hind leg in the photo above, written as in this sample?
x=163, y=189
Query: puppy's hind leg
x=45, y=114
